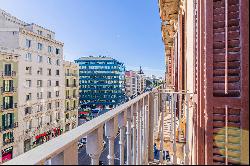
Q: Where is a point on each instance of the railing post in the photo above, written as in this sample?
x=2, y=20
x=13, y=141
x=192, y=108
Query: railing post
x=134, y=133
x=95, y=145
x=174, y=143
x=187, y=132
x=142, y=130
x=161, y=129
x=146, y=133
x=151, y=127
x=179, y=96
x=122, y=123
x=110, y=132
x=70, y=155
x=128, y=133
x=139, y=107
x=171, y=117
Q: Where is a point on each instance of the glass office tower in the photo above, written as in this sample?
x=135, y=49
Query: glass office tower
x=101, y=82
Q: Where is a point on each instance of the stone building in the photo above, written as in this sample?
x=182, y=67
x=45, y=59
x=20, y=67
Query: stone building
x=41, y=81
x=71, y=94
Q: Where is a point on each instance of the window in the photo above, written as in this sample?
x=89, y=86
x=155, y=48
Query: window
x=57, y=51
x=7, y=121
x=27, y=110
x=40, y=71
x=29, y=124
x=7, y=70
x=28, y=83
x=49, y=106
x=28, y=43
x=40, y=121
x=49, y=60
x=57, y=83
x=8, y=85
x=50, y=118
x=49, y=72
x=39, y=83
x=8, y=102
x=28, y=57
x=58, y=62
x=49, y=36
x=39, y=95
x=39, y=108
x=28, y=97
x=49, y=83
x=49, y=49
x=49, y=95
x=57, y=72
x=39, y=46
x=57, y=104
x=57, y=93
x=40, y=32
x=58, y=116
x=39, y=58
x=67, y=82
x=28, y=70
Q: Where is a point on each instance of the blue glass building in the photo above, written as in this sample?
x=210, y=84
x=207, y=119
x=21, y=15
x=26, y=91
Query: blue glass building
x=101, y=82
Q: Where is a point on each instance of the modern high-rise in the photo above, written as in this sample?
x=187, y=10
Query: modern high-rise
x=101, y=82
x=71, y=95
x=40, y=82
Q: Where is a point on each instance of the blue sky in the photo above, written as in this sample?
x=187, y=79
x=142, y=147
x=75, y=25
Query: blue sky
x=127, y=30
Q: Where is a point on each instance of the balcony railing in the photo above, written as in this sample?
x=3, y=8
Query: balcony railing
x=135, y=121
x=9, y=90
x=8, y=73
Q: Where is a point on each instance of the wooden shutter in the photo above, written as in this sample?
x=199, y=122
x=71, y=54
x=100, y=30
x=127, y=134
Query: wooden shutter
x=226, y=82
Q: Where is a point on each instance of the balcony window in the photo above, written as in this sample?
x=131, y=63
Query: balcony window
x=28, y=57
x=8, y=138
x=27, y=145
x=67, y=82
x=39, y=32
x=8, y=102
x=57, y=104
x=58, y=62
x=39, y=121
x=49, y=36
x=50, y=118
x=39, y=46
x=39, y=108
x=7, y=70
x=28, y=43
x=28, y=70
x=7, y=85
x=49, y=106
x=28, y=125
x=7, y=121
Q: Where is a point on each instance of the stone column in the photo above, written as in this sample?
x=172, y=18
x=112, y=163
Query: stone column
x=95, y=145
x=110, y=132
x=122, y=123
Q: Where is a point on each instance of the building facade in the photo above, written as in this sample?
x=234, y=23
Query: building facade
x=207, y=53
x=101, y=82
x=130, y=83
x=9, y=102
x=41, y=81
x=71, y=95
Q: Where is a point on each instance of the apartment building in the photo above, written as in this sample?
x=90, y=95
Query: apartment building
x=141, y=81
x=41, y=81
x=207, y=54
x=71, y=94
x=8, y=107
x=130, y=83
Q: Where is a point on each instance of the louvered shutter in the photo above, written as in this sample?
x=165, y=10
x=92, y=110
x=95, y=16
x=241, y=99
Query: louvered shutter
x=225, y=97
